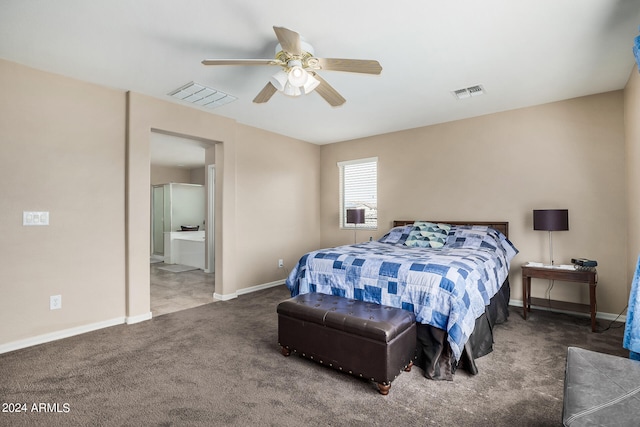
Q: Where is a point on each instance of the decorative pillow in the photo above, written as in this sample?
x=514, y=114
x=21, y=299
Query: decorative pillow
x=427, y=235
x=472, y=236
x=480, y=236
x=397, y=235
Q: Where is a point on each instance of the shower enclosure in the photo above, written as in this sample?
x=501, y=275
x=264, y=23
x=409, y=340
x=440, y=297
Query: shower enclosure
x=175, y=205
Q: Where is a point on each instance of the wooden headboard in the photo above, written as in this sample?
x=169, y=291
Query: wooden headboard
x=501, y=226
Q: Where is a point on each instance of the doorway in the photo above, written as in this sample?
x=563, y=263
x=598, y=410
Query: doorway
x=179, y=161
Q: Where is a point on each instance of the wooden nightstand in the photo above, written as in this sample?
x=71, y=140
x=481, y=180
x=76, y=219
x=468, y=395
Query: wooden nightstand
x=586, y=276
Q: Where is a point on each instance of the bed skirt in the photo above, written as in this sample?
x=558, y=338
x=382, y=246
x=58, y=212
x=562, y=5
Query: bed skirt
x=433, y=353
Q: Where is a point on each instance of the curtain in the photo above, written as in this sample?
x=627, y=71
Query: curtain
x=632, y=329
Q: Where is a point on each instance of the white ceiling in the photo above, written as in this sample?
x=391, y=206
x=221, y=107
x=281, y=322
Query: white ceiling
x=523, y=53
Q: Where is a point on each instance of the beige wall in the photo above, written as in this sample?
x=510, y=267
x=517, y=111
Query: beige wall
x=278, y=210
x=632, y=135
x=198, y=175
x=65, y=148
x=166, y=174
x=568, y=154
x=61, y=150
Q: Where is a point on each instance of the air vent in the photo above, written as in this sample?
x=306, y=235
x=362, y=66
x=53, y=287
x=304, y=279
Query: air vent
x=461, y=93
x=468, y=92
x=201, y=95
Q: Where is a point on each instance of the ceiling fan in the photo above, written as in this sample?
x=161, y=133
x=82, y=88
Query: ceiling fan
x=299, y=72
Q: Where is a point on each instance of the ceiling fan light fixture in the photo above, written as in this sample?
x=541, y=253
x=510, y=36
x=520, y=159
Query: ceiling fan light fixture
x=291, y=90
x=295, y=81
x=311, y=84
x=279, y=80
x=298, y=76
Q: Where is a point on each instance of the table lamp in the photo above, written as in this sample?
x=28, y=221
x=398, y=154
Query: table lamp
x=551, y=220
x=355, y=216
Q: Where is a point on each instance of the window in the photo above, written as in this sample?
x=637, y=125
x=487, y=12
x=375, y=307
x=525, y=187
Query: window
x=359, y=190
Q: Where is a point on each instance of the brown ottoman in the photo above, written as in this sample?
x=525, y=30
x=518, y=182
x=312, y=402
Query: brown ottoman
x=368, y=340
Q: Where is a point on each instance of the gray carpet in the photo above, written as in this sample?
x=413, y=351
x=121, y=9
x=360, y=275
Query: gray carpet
x=220, y=364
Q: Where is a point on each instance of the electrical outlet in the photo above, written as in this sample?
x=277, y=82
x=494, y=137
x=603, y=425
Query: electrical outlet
x=280, y=263
x=55, y=302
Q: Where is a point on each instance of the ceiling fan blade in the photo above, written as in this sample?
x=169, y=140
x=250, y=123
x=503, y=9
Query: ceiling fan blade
x=265, y=94
x=366, y=66
x=289, y=40
x=240, y=62
x=329, y=94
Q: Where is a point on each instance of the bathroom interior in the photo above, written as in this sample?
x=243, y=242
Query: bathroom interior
x=178, y=224
x=178, y=268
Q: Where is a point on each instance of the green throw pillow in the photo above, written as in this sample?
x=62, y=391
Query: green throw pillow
x=427, y=235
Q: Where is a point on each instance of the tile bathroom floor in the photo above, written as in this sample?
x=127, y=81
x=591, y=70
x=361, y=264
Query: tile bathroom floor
x=178, y=291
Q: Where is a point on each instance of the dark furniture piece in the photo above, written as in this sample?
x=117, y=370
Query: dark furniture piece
x=586, y=276
x=600, y=390
x=372, y=341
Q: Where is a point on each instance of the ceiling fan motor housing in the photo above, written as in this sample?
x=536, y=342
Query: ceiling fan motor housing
x=304, y=46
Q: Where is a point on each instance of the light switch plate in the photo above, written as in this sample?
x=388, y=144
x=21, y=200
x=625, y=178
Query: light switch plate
x=35, y=218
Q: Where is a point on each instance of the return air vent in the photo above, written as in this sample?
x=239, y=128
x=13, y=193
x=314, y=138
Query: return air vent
x=468, y=92
x=201, y=95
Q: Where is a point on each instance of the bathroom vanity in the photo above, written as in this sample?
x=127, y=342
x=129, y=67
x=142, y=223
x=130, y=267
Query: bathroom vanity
x=184, y=247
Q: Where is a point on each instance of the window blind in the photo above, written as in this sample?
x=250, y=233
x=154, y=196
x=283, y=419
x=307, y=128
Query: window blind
x=359, y=190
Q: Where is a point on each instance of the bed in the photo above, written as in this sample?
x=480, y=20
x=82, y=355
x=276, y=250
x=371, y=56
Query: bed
x=452, y=275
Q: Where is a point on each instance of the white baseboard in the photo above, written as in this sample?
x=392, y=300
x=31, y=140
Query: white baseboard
x=53, y=336
x=244, y=291
x=66, y=333
x=130, y=320
x=259, y=287
x=224, y=297
x=599, y=314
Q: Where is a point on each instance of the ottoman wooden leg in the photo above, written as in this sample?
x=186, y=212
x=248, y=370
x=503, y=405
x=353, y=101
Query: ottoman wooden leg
x=285, y=351
x=409, y=366
x=384, y=388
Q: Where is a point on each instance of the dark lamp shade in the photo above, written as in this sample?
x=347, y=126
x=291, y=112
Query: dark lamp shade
x=355, y=216
x=551, y=219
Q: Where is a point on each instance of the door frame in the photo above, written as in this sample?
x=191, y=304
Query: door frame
x=211, y=224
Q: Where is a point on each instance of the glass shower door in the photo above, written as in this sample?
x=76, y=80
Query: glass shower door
x=158, y=220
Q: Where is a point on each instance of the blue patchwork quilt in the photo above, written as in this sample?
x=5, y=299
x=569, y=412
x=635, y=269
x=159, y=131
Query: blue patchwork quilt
x=446, y=287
